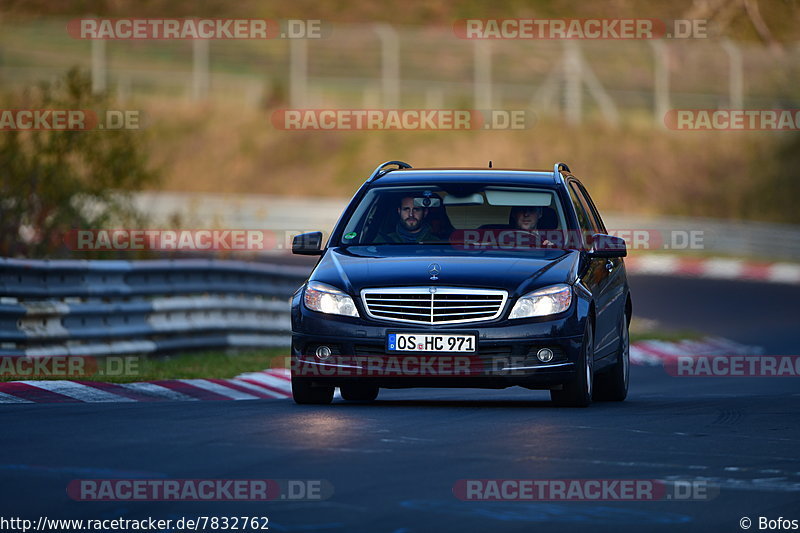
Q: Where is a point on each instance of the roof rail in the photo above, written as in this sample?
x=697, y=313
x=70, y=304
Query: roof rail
x=557, y=168
x=378, y=172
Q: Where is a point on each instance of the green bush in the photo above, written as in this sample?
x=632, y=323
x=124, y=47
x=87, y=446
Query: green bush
x=52, y=182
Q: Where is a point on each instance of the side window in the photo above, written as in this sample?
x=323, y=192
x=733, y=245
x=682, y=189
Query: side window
x=593, y=209
x=371, y=225
x=586, y=229
x=583, y=217
x=575, y=189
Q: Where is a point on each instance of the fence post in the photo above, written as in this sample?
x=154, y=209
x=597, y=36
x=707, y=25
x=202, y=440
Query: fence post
x=661, y=87
x=98, y=66
x=298, y=72
x=482, y=74
x=573, y=77
x=390, y=65
x=200, y=64
x=735, y=74
x=545, y=96
x=604, y=101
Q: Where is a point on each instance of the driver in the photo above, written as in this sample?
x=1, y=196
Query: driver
x=412, y=226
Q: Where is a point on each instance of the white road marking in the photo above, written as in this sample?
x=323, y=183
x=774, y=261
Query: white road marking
x=655, y=352
x=216, y=388
x=151, y=389
x=262, y=390
x=656, y=264
x=723, y=268
x=78, y=391
x=10, y=398
x=267, y=379
x=784, y=273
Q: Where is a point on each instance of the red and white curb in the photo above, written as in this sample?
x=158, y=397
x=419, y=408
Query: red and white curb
x=715, y=268
x=276, y=383
x=658, y=353
x=268, y=384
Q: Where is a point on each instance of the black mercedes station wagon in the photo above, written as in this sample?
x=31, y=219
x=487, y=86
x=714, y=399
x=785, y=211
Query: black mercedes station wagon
x=457, y=277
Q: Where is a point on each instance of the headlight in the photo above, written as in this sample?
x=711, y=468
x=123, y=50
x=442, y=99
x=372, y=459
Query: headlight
x=546, y=301
x=326, y=299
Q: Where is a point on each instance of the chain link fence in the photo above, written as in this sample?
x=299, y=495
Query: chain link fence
x=379, y=65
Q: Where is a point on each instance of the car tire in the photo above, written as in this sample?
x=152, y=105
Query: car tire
x=612, y=386
x=578, y=392
x=305, y=394
x=359, y=393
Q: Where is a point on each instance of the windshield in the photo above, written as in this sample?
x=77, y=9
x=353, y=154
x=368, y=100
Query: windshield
x=466, y=214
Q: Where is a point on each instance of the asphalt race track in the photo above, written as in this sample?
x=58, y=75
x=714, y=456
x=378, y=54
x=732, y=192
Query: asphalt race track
x=394, y=463
x=761, y=314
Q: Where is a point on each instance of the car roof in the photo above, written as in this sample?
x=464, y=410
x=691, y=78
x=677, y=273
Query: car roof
x=487, y=176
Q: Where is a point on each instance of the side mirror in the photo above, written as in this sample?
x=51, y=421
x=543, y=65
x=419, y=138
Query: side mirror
x=607, y=246
x=307, y=243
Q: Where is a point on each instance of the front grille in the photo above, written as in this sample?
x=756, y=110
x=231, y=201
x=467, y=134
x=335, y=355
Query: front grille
x=434, y=305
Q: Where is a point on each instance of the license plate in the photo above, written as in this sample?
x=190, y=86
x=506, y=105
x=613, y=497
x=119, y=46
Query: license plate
x=426, y=342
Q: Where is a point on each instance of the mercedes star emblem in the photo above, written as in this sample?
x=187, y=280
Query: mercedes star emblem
x=433, y=270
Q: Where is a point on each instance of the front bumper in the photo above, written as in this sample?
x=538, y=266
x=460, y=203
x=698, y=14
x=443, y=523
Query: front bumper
x=505, y=354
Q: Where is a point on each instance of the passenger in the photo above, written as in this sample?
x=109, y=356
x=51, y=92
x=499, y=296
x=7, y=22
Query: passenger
x=524, y=218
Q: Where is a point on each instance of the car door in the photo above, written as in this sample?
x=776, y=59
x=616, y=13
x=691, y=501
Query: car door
x=596, y=274
x=612, y=296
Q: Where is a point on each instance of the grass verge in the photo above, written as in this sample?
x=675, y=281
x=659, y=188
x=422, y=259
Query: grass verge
x=126, y=369
x=643, y=329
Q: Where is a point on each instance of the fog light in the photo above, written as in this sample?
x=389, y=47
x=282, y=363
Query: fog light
x=545, y=355
x=323, y=353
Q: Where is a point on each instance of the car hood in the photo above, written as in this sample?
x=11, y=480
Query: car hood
x=354, y=268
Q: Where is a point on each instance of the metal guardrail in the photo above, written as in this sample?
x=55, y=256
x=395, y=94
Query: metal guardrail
x=126, y=307
x=756, y=240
